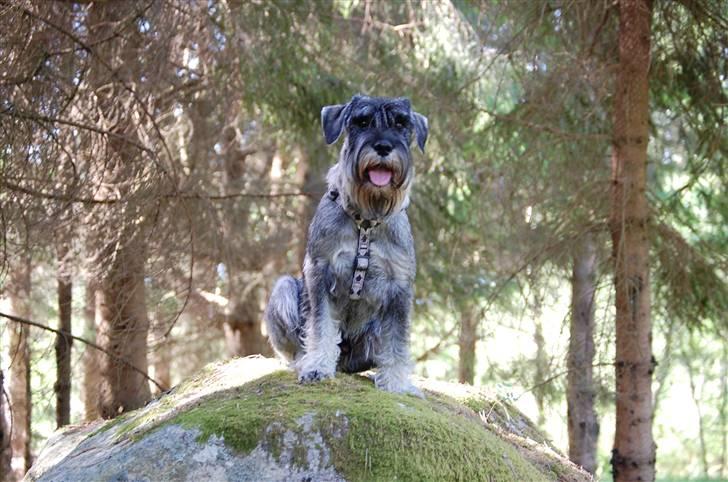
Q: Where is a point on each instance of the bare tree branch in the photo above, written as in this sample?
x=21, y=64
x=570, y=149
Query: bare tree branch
x=112, y=200
x=66, y=334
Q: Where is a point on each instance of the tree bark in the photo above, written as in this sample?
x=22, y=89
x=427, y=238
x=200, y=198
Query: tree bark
x=633, y=455
x=162, y=371
x=310, y=175
x=18, y=293
x=723, y=413
x=583, y=423
x=542, y=362
x=686, y=359
x=90, y=357
x=5, y=451
x=122, y=328
x=243, y=322
x=243, y=335
x=662, y=371
x=119, y=237
x=466, y=344
x=161, y=356
x=62, y=386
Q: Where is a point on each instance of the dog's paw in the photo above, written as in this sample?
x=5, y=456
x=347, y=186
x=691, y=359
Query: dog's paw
x=312, y=376
x=313, y=367
x=410, y=389
x=397, y=385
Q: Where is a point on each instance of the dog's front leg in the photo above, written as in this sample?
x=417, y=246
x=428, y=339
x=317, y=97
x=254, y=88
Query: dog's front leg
x=392, y=350
x=321, y=343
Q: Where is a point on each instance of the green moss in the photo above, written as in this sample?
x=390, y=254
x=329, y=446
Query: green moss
x=300, y=455
x=366, y=434
x=146, y=417
x=109, y=424
x=128, y=423
x=372, y=435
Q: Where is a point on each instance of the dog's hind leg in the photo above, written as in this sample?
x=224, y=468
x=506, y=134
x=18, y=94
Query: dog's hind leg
x=283, y=319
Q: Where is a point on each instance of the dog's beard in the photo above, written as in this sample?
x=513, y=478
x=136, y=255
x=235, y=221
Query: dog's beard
x=375, y=201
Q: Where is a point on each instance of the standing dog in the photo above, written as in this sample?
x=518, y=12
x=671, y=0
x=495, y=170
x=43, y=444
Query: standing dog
x=351, y=309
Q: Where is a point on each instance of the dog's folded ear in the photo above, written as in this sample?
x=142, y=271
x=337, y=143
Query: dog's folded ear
x=421, y=129
x=332, y=121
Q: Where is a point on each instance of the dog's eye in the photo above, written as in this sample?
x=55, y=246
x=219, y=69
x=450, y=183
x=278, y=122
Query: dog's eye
x=400, y=122
x=362, y=121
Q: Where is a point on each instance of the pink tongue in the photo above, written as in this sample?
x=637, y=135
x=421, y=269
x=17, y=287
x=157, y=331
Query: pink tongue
x=380, y=177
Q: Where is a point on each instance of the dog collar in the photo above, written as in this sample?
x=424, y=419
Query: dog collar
x=361, y=262
x=355, y=215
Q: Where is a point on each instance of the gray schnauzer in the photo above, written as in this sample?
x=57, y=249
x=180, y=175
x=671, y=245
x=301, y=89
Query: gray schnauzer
x=351, y=309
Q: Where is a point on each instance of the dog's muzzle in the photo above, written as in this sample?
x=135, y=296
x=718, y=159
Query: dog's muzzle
x=381, y=171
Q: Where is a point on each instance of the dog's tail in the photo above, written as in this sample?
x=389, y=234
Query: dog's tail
x=283, y=318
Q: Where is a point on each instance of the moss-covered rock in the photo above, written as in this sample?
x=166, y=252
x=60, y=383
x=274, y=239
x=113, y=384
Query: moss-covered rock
x=248, y=419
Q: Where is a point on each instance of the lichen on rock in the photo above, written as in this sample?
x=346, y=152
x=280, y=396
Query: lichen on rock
x=248, y=419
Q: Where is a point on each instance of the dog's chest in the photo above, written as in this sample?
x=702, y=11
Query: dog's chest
x=389, y=263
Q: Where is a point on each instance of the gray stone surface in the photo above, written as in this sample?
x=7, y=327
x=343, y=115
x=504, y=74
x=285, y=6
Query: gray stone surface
x=287, y=432
x=172, y=453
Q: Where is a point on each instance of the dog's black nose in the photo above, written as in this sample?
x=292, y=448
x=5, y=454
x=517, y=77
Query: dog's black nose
x=383, y=147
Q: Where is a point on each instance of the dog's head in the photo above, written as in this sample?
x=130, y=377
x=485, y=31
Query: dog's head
x=375, y=169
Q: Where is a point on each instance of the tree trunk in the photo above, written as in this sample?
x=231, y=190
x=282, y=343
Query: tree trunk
x=122, y=328
x=62, y=386
x=686, y=359
x=662, y=371
x=90, y=357
x=119, y=236
x=5, y=451
x=633, y=455
x=466, y=343
x=161, y=355
x=306, y=179
x=310, y=175
x=243, y=335
x=162, y=372
x=542, y=363
x=243, y=323
x=723, y=413
x=18, y=293
x=582, y=419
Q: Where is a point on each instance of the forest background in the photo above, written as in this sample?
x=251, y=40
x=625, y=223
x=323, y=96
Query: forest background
x=160, y=162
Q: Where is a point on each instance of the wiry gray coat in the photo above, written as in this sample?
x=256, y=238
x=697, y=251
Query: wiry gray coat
x=313, y=321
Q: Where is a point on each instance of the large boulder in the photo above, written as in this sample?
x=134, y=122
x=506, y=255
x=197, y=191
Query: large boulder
x=249, y=420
